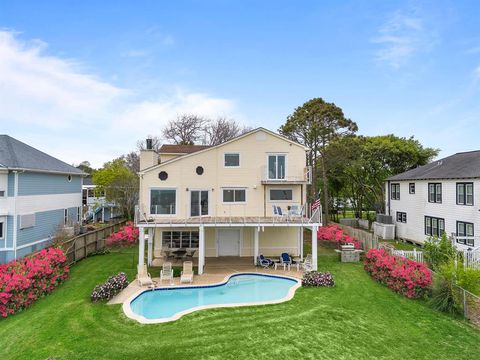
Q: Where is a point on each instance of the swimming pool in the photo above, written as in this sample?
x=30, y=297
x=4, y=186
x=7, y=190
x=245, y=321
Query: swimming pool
x=244, y=289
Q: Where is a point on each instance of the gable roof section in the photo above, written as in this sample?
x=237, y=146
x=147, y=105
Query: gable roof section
x=181, y=149
x=15, y=154
x=458, y=166
x=226, y=142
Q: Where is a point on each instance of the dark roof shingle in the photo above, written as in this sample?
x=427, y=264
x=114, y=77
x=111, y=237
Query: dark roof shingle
x=458, y=166
x=181, y=149
x=15, y=154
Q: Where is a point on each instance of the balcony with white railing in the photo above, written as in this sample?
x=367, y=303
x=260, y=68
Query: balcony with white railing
x=284, y=215
x=284, y=177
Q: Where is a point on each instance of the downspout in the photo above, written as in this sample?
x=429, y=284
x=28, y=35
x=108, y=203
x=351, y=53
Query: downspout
x=15, y=195
x=388, y=196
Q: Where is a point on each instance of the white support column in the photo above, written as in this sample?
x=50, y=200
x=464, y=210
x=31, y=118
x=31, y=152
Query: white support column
x=141, y=246
x=150, y=246
x=201, y=249
x=314, y=247
x=301, y=242
x=256, y=230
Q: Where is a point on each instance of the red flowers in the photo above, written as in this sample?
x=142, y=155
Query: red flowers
x=407, y=277
x=126, y=236
x=336, y=234
x=25, y=280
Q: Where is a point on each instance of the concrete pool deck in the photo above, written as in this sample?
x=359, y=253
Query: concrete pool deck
x=216, y=269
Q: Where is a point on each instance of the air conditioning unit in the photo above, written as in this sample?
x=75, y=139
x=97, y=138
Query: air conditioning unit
x=385, y=231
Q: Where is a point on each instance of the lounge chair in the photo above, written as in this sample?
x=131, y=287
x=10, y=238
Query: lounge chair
x=167, y=272
x=295, y=211
x=264, y=262
x=277, y=211
x=187, y=273
x=143, y=277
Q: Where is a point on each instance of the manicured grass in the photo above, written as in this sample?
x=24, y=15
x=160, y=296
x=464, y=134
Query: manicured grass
x=357, y=319
x=402, y=245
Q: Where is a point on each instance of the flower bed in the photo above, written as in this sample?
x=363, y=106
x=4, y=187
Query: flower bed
x=335, y=235
x=314, y=278
x=407, y=277
x=110, y=288
x=126, y=236
x=25, y=280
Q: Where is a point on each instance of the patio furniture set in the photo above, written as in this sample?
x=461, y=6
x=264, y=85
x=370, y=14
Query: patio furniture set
x=166, y=273
x=179, y=254
x=286, y=261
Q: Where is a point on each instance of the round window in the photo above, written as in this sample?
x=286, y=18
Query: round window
x=163, y=175
x=69, y=178
x=199, y=170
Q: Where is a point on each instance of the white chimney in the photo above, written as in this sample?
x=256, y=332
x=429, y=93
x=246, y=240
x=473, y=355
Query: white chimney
x=148, y=157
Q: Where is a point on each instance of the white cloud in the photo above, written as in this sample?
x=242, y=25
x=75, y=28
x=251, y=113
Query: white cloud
x=401, y=37
x=55, y=104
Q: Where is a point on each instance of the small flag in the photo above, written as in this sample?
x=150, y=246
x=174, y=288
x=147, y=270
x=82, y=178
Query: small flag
x=315, y=204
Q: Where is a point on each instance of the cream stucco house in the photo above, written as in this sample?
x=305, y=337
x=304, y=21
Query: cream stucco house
x=242, y=198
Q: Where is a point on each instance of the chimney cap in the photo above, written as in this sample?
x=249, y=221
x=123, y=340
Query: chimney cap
x=149, y=144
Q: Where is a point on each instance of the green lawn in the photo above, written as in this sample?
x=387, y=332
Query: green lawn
x=358, y=319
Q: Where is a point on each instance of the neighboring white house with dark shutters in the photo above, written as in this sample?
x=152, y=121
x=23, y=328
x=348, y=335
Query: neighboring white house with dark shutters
x=38, y=193
x=443, y=196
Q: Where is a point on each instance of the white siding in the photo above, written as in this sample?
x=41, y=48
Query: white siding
x=417, y=207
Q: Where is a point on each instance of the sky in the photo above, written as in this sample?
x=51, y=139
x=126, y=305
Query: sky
x=86, y=80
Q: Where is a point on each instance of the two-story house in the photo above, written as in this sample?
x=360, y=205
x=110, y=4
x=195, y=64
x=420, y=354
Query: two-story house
x=443, y=196
x=96, y=207
x=38, y=193
x=242, y=198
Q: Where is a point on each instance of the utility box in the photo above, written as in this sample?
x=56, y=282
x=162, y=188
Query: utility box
x=384, y=231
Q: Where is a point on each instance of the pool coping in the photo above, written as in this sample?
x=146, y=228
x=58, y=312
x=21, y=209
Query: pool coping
x=127, y=309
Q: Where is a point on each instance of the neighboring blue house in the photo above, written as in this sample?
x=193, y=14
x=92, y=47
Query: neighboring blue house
x=38, y=193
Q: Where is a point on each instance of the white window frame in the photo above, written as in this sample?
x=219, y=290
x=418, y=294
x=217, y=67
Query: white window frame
x=286, y=166
x=162, y=188
x=282, y=201
x=190, y=202
x=232, y=153
x=244, y=188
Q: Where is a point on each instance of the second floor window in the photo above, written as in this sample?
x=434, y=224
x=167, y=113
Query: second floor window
x=434, y=226
x=395, y=192
x=281, y=194
x=435, y=192
x=464, y=193
x=411, y=188
x=234, y=195
x=163, y=201
x=276, y=167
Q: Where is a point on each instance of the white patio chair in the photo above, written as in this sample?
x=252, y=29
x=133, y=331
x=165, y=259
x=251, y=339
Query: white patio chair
x=278, y=212
x=295, y=211
x=307, y=263
x=167, y=272
x=143, y=277
x=187, y=273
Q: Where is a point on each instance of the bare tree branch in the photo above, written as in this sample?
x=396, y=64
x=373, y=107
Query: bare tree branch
x=187, y=129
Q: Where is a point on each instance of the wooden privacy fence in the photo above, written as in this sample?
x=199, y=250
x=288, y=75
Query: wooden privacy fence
x=366, y=238
x=83, y=245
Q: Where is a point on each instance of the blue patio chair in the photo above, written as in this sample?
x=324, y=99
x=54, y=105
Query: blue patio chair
x=264, y=262
x=285, y=259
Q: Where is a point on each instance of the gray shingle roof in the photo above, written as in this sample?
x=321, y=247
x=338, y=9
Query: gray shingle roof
x=15, y=154
x=458, y=166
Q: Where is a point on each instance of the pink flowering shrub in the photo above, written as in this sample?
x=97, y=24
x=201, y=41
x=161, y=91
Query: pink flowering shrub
x=25, y=280
x=335, y=234
x=407, y=277
x=126, y=236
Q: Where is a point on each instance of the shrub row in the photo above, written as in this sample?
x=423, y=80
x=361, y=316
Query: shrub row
x=25, y=280
x=126, y=236
x=110, y=288
x=314, y=278
x=407, y=277
x=335, y=234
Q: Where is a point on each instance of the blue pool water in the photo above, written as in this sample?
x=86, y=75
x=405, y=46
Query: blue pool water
x=243, y=288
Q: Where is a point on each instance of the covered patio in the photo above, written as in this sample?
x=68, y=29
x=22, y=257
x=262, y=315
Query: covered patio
x=210, y=258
